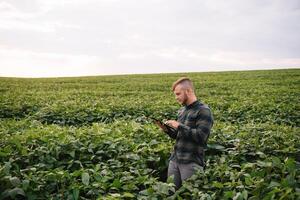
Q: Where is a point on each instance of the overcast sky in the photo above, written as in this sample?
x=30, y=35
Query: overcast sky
x=40, y=38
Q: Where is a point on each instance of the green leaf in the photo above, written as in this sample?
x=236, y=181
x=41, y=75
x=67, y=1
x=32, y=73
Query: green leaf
x=261, y=154
x=289, y=181
x=16, y=191
x=274, y=184
x=238, y=196
x=229, y=194
x=290, y=164
x=85, y=178
x=276, y=162
x=72, y=154
x=75, y=194
x=170, y=179
x=7, y=167
x=217, y=185
x=15, y=181
x=245, y=194
x=248, y=180
x=264, y=164
x=216, y=147
x=248, y=165
x=25, y=184
x=116, y=184
x=128, y=195
x=116, y=195
x=3, y=154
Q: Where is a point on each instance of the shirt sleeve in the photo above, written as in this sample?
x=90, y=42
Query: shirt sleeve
x=172, y=133
x=199, y=134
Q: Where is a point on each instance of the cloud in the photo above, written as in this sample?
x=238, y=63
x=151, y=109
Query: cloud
x=114, y=36
x=24, y=63
x=14, y=18
x=9, y=11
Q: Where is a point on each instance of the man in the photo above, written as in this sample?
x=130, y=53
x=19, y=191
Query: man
x=191, y=132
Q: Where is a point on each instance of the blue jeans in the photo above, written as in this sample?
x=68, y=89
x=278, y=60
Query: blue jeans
x=182, y=172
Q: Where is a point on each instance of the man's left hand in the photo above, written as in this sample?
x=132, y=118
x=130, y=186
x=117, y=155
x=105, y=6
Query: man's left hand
x=172, y=123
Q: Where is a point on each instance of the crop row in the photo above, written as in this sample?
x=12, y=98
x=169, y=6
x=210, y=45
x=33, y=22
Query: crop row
x=91, y=138
x=129, y=159
x=238, y=97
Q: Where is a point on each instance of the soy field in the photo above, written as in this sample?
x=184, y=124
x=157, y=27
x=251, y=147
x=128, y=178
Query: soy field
x=91, y=137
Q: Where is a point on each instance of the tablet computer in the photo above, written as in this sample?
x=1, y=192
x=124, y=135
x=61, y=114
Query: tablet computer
x=162, y=125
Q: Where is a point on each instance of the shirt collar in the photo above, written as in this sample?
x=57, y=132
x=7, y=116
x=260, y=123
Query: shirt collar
x=192, y=104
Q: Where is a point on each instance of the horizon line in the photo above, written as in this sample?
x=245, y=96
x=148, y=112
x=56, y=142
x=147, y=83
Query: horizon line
x=154, y=73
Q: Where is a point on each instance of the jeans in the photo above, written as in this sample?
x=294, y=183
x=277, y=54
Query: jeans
x=182, y=172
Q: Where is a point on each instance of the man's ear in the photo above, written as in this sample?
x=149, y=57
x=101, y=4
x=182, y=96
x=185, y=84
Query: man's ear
x=189, y=90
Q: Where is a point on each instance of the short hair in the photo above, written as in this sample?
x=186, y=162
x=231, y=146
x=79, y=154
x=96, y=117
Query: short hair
x=185, y=82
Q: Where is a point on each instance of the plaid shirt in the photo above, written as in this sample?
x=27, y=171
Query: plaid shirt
x=193, y=131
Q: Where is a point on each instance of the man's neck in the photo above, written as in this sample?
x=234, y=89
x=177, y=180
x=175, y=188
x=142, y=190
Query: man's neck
x=191, y=100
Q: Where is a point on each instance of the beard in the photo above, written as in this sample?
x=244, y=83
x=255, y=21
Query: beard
x=184, y=100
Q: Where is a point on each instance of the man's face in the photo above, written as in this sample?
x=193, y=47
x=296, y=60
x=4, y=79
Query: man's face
x=180, y=95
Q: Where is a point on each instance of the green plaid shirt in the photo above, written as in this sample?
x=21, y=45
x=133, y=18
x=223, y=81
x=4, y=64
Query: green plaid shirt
x=196, y=121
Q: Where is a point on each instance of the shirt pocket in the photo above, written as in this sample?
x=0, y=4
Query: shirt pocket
x=191, y=121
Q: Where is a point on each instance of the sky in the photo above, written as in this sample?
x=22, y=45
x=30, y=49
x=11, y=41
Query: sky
x=55, y=38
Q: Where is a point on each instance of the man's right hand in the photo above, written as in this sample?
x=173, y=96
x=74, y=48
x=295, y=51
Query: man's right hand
x=158, y=123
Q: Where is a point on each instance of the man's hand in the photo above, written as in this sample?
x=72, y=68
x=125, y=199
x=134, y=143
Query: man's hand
x=160, y=125
x=172, y=123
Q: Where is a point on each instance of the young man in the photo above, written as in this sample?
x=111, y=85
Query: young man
x=192, y=130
